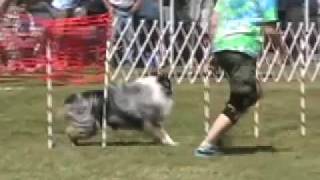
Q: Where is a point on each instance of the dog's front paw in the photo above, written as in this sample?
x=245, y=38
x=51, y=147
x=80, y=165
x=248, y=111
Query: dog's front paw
x=174, y=144
x=170, y=143
x=74, y=142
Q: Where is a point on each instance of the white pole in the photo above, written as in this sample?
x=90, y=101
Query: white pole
x=105, y=95
x=172, y=20
x=49, y=96
x=303, y=71
x=306, y=14
x=256, y=115
x=307, y=27
x=211, y=5
x=206, y=96
x=302, y=104
x=256, y=118
x=161, y=16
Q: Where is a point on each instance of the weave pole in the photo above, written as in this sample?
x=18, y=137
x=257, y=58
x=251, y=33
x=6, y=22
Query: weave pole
x=302, y=73
x=303, y=129
x=49, y=96
x=206, y=98
x=172, y=30
x=256, y=115
x=105, y=95
x=256, y=119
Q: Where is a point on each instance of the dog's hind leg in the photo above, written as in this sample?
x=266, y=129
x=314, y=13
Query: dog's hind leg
x=159, y=133
x=75, y=134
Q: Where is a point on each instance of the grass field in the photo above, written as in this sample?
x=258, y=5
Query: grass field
x=280, y=153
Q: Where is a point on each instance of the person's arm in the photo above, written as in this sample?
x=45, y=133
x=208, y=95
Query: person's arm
x=108, y=5
x=213, y=24
x=4, y=5
x=274, y=36
x=272, y=33
x=270, y=16
x=136, y=6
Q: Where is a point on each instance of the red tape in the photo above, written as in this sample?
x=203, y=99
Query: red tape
x=76, y=44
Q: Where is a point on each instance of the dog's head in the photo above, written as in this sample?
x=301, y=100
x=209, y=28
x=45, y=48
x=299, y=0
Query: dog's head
x=165, y=83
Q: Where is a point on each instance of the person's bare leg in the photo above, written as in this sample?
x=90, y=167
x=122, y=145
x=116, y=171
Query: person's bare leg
x=219, y=127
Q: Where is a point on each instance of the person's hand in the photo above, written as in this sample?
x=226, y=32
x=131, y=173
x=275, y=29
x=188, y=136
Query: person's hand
x=213, y=24
x=284, y=53
x=109, y=7
x=136, y=6
x=4, y=5
x=275, y=36
x=134, y=9
x=111, y=10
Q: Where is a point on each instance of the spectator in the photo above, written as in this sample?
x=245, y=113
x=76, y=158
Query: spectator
x=124, y=10
x=123, y=7
x=4, y=5
x=94, y=7
x=60, y=8
x=149, y=10
x=69, y=8
x=237, y=43
x=294, y=10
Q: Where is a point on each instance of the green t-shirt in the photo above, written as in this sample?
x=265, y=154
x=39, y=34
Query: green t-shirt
x=239, y=24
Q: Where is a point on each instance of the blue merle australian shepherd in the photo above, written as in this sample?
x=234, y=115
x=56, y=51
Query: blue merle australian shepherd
x=142, y=104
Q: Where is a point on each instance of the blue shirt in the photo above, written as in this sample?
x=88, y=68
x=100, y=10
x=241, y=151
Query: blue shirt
x=65, y=4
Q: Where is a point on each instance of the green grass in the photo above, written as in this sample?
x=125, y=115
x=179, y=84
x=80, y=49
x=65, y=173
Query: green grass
x=280, y=153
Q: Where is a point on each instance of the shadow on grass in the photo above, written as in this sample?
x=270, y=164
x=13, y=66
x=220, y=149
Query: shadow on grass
x=243, y=150
x=131, y=143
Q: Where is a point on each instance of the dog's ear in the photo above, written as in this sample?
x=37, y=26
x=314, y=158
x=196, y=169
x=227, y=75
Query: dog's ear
x=70, y=99
x=165, y=83
x=162, y=77
x=163, y=73
x=164, y=80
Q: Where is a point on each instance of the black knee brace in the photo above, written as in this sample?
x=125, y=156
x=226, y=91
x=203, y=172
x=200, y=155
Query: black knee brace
x=231, y=112
x=240, y=100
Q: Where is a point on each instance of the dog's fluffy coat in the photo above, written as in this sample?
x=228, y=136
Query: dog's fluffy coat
x=142, y=105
